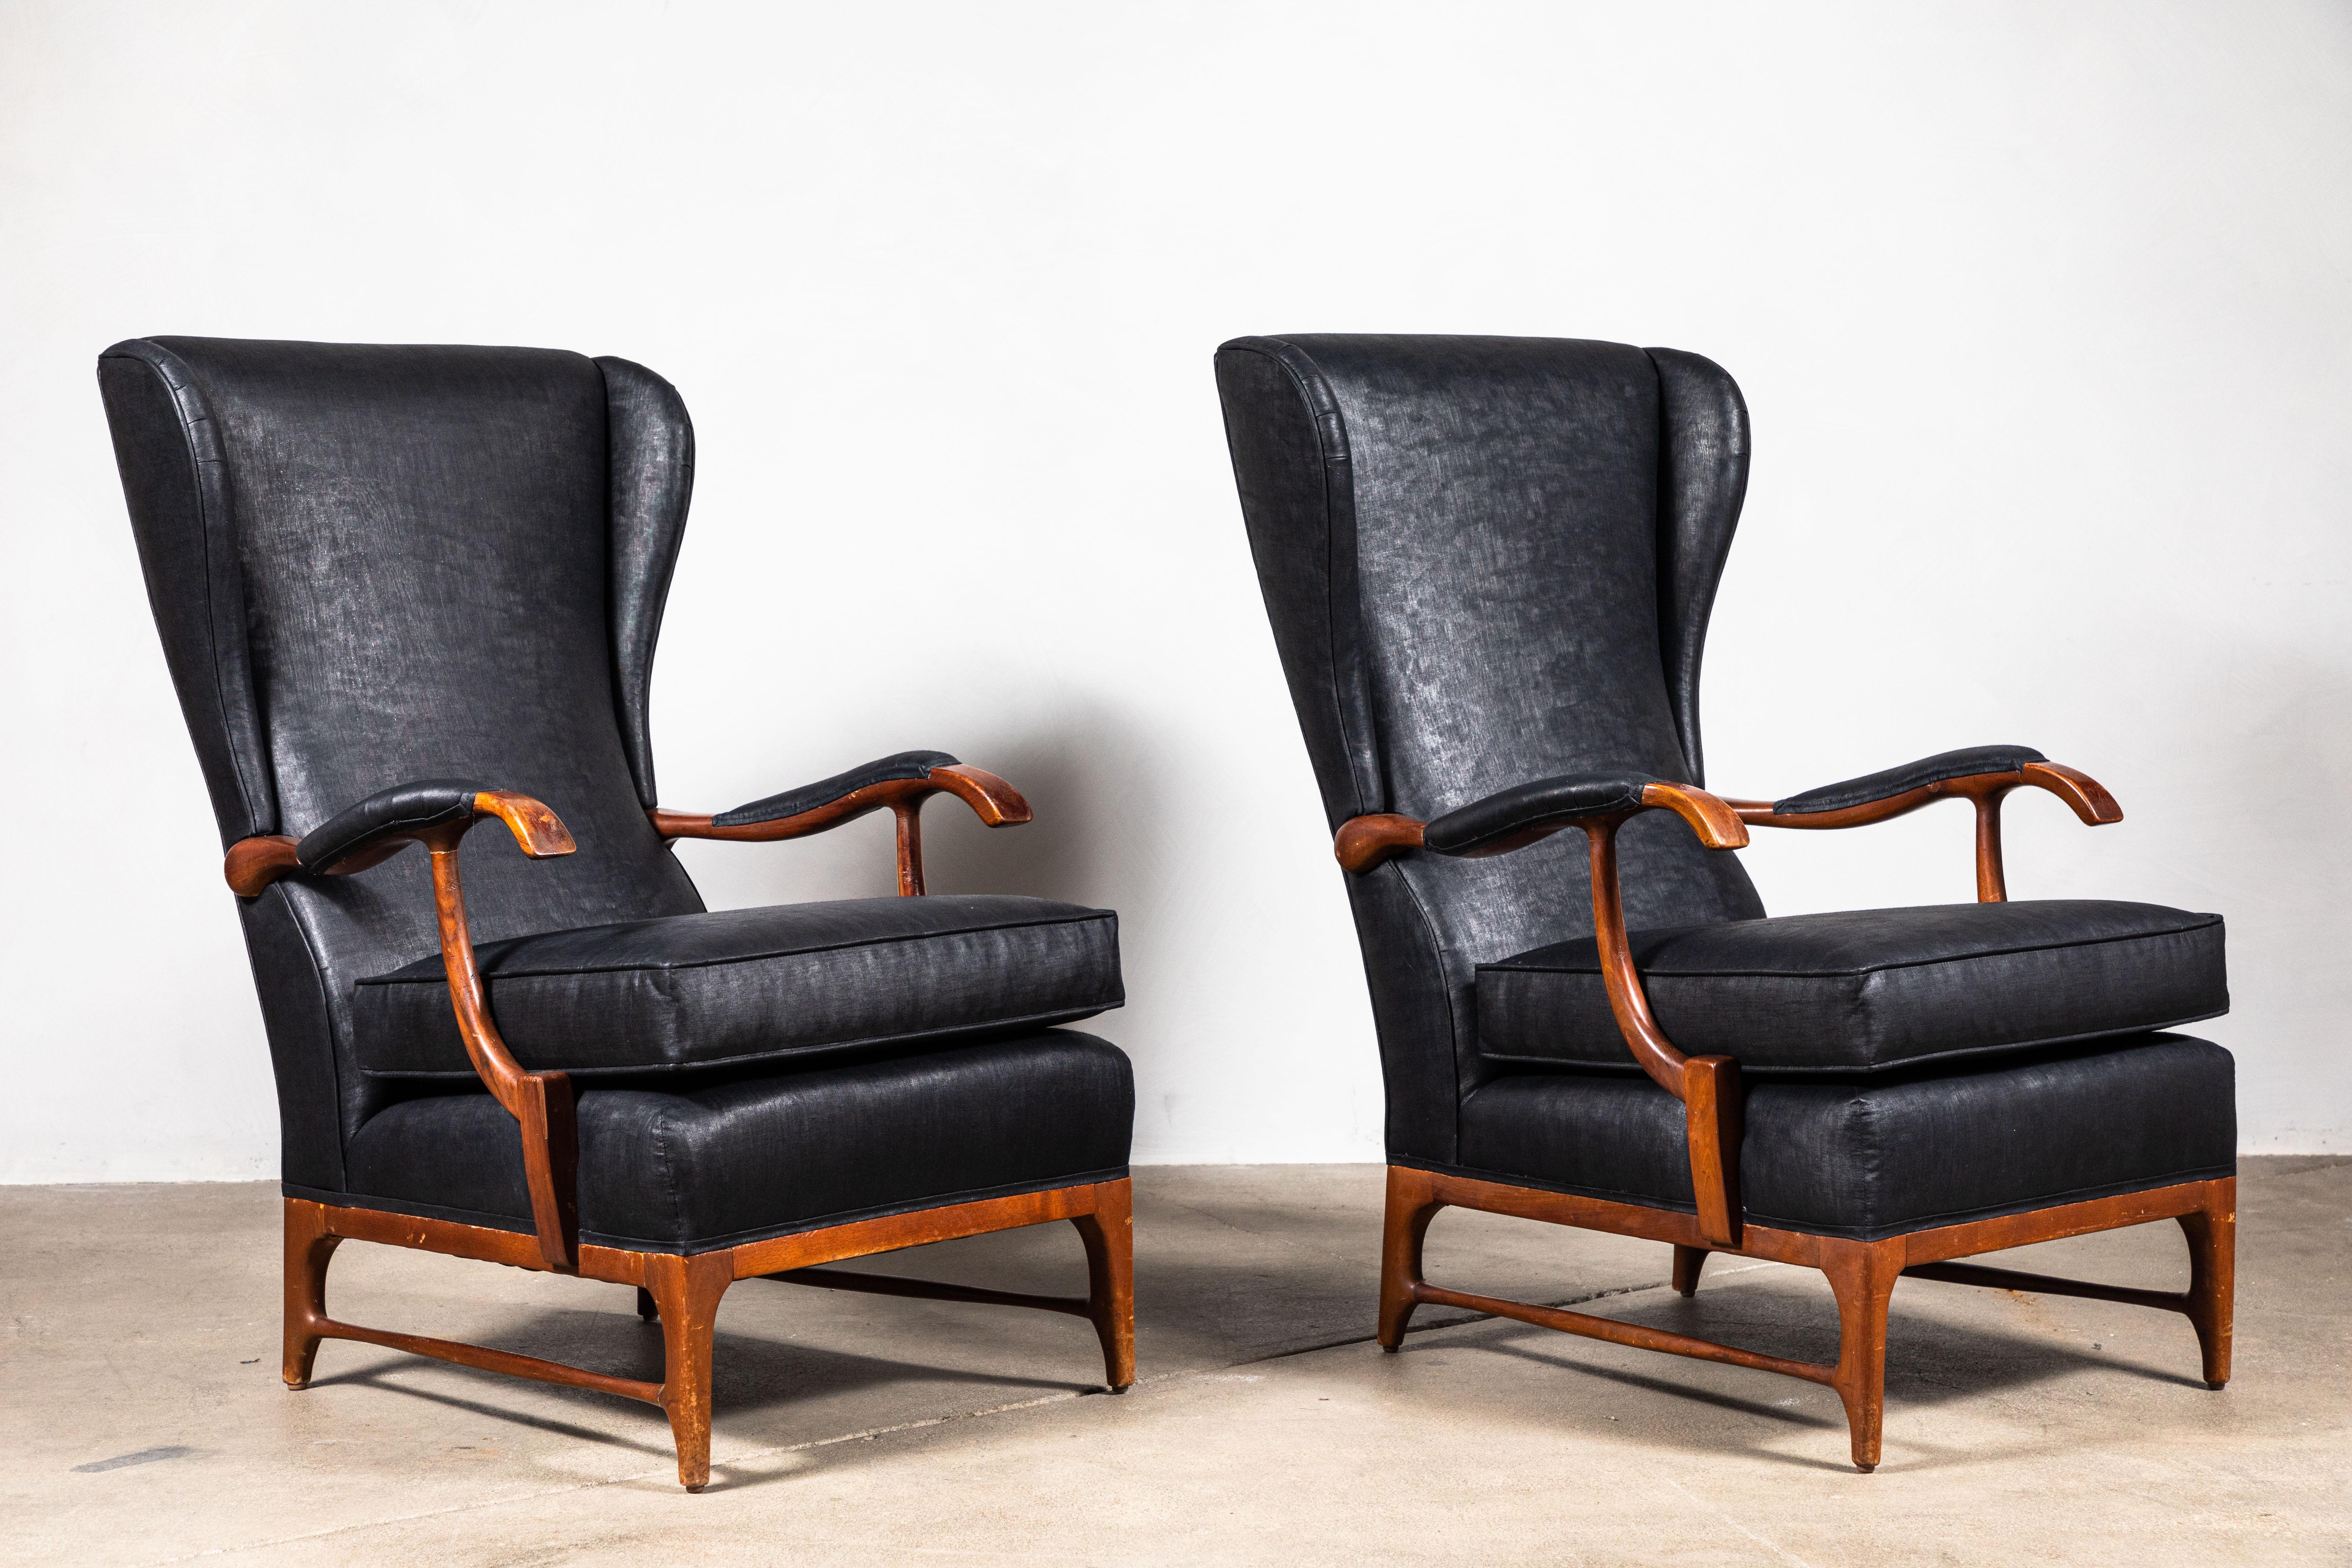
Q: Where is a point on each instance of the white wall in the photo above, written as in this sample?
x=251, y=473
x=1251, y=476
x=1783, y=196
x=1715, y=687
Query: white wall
x=2042, y=312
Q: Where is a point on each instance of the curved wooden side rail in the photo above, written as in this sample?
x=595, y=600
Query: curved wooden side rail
x=2088, y=799
x=996, y=802
x=539, y=1102
x=684, y=1291
x=1708, y=1087
x=1862, y=1274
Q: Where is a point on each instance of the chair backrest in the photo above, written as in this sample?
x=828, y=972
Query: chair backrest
x=375, y=564
x=1489, y=560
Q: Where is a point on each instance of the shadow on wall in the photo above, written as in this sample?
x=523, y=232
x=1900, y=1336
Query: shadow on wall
x=1097, y=791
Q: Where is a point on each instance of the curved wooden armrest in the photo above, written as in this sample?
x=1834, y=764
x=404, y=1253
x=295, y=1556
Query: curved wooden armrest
x=996, y=802
x=1708, y=1087
x=541, y=1101
x=1363, y=842
x=2083, y=795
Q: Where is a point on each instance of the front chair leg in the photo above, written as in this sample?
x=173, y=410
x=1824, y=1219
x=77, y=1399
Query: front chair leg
x=686, y=1291
x=1862, y=1275
x=2212, y=1276
x=1688, y=1262
x=1412, y=1204
x=1109, y=1236
x=309, y=1250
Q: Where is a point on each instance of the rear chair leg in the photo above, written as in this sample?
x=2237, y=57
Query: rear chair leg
x=2212, y=1276
x=1109, y=1236
x=645, y=1308
x=309, y=1250
x=1412, y=1205
x=686, y=1291
x=1688, y=1262
x=1862, y=1276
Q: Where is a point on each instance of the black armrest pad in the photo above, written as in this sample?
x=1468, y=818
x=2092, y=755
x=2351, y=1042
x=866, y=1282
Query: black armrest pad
x=1909, y=776
x=808, y=797
x=403, y=808
x=1526, y=806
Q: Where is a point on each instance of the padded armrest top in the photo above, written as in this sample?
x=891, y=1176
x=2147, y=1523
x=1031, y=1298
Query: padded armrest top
x=1909, y=776
x=808, y=797
x=403, y=808
x=1560, y=799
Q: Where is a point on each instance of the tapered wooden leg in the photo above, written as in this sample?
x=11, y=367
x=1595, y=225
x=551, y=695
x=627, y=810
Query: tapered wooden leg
x=1862, y=1276
x=646, y=1307
x=1110, y=1236
x=1688, y=1262
x=686, y=1291
x=1412, y=1204
x=308, y=1248
x=2212, y=1276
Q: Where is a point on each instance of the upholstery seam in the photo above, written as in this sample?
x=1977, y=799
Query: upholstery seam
x=1513, y=966
x=397, y=977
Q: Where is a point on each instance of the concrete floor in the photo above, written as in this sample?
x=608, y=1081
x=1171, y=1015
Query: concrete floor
x=145, y=1422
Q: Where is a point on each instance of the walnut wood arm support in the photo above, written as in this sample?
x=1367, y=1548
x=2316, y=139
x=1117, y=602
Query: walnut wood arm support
x=2088, y=798
x=994, y=802
x=1708, y=1087
x=437, y=815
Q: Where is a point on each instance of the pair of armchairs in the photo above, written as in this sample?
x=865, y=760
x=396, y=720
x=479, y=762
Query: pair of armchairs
x=406, y=591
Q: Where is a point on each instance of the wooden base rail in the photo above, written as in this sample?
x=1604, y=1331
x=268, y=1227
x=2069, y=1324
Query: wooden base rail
x=1862, y=1274
x=682, y=1293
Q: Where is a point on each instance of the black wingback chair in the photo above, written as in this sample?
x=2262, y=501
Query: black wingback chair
x=404, y=590
x=1489, y=564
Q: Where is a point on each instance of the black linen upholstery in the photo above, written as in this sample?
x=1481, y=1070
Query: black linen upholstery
x=1872, y=1159
x=370, y=563
x=1487, y=561
x=735, y=986
x=1489, y=565
x=1868, y=990
x=739, y=1159
x=1889, y=781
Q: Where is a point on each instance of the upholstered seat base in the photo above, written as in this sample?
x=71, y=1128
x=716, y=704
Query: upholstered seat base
x=1866, y=1160
x=693, y=1169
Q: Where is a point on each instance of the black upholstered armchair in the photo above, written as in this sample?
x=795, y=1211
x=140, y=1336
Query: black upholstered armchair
x=1489, y=564
x=405, y=592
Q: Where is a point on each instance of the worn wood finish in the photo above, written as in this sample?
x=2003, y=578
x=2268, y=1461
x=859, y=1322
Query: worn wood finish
x=1107, y=1233
x=1689, y=1263
x=685, y=1292
x=2212, y=1233
x=910, y=847
x=682, y=1292
x=1861, y=1274
x=1363, y=842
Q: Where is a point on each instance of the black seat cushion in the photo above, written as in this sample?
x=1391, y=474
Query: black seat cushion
x=1868, y=990
x=736, y=986
x=1880, y=1157
x=724, y=1163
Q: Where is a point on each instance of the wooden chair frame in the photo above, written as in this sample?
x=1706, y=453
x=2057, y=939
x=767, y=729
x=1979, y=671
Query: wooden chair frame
x=681, y=1291
x=1862, y=1274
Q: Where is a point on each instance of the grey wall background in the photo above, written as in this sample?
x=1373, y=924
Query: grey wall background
x=2043, y=311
